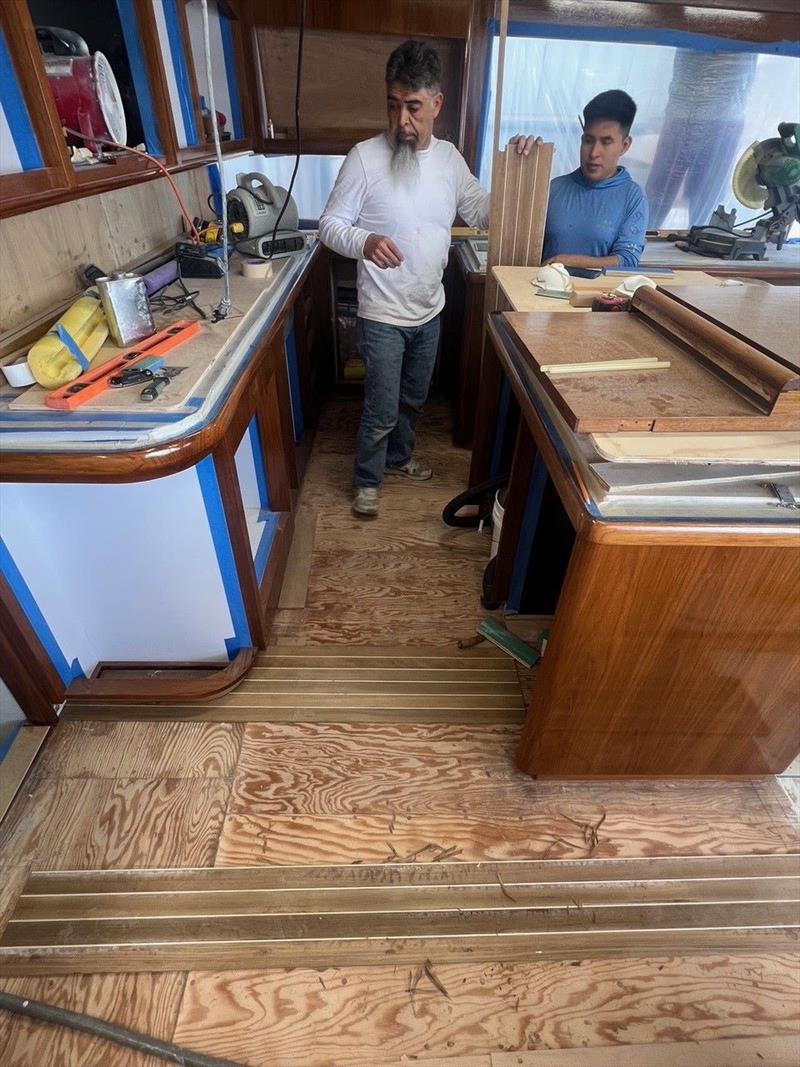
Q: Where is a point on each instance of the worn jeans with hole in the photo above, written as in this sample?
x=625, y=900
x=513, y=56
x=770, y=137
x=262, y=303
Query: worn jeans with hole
x=398, y=362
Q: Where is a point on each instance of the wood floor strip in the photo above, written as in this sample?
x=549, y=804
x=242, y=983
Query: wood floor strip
x=481, y=715
x=17, y=762
x=294, y=590
x=780, y=1051
x=357, y=915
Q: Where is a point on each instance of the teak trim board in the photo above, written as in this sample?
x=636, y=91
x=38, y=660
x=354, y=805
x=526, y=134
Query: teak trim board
x=235, y=918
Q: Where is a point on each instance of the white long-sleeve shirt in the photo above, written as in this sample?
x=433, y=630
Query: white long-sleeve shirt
x=416, y=212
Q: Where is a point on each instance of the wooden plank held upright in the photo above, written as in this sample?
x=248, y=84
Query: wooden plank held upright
x=518, y=211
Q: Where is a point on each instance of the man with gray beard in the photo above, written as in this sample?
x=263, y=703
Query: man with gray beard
x=391, y=209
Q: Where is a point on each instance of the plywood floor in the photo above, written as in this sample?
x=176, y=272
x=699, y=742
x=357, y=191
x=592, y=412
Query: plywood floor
x=148, y=794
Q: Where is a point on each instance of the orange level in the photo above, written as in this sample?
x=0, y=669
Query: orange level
x=94, y=382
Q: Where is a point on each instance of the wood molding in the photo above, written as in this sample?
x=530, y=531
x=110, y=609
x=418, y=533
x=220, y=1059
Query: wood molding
x=26, y=668
x=159, y=689
x=475, y=74
x=17, y=25
x=240, y=918
x=230, y=491
x=159, y=89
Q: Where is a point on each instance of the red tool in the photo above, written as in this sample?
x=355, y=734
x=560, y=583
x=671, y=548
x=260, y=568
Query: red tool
x=93, y=382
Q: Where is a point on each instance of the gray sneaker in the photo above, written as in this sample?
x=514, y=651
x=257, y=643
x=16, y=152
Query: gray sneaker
x=366, y=501
x=412, y=470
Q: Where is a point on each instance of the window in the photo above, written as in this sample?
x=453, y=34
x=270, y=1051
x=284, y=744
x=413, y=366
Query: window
x=697, y=110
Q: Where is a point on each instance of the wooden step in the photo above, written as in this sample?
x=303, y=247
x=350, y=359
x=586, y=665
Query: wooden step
x=347, y=683
x=238, y=918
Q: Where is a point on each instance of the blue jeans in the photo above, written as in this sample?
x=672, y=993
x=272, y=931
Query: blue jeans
x=398, y=362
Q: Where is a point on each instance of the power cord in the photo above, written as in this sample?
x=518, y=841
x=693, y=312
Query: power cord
x=302, y=12
x=224, y=306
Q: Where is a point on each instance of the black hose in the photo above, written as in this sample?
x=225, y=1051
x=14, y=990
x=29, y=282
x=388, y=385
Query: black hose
x=88, y=1024
x=481, y=495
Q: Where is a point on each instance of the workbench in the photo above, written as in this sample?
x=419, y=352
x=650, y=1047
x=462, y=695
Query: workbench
x=673, y=648
x=143, y=545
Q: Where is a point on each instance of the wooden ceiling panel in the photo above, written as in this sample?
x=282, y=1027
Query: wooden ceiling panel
x=343, y=86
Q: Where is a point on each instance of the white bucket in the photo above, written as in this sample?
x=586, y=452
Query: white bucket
x=498, y=511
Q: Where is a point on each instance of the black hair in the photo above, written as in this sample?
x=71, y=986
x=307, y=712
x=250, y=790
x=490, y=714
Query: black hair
x=415, y=65
x=613, y=105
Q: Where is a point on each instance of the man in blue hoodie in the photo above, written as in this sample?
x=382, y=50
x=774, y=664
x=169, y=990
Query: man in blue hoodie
x=597, y=215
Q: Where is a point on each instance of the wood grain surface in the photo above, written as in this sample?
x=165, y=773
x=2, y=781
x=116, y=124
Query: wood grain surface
x=495, y=1013
x=684, y=397
x=768, y=318
x=139, y=921
x=306, y=1018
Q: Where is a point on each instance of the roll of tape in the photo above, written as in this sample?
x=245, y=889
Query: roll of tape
x=18, y=374
x=256, y=268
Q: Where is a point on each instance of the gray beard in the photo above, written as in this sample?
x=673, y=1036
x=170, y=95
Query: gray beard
x=405, y=165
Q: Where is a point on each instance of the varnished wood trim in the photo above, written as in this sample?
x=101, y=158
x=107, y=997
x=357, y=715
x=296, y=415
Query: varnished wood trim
x=230, y=491
x=474, y=76
x=123, y=921
x=161, y=689
x=139, y=465
x=189, y=56
x=159, y=90
x=25, y=666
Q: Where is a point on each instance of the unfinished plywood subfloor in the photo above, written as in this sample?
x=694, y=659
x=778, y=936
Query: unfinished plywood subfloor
x=117, y=795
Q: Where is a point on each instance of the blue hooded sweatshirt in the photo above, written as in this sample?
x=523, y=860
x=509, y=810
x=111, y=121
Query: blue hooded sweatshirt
x=607, y=218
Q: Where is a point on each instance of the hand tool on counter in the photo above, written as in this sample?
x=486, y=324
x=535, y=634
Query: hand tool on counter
x=158, y=383
x=96, y=381
x=140, y=372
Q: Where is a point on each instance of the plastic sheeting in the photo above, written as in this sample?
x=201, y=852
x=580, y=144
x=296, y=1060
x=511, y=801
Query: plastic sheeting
x=697, y=112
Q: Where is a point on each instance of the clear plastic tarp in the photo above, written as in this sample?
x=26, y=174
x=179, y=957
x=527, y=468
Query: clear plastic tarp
x=697, y=112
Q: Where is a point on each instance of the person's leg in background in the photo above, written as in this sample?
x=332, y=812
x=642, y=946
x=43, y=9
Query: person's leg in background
x=418, y=365
x=382, y=348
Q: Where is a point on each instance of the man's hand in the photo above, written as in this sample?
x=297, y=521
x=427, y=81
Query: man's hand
x=525, y=143
x=382, y=251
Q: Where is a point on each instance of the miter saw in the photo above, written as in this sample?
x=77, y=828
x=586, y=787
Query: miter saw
x=766, y=176
x=256, y=205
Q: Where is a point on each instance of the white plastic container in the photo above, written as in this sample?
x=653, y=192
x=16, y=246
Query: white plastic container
x=498, y=511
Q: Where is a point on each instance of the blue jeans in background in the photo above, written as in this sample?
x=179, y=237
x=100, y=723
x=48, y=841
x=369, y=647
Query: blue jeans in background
x=398, y=362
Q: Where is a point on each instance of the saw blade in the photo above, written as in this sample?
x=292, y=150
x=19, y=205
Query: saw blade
x=744, y=182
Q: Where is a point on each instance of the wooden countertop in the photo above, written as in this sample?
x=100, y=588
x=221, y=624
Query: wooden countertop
x=516, y=285
x=127, y=437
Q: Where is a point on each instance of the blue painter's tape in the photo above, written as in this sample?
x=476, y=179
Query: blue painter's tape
x=500, y=428
x=32, y=612
x=181, y=72
x=69, y=342
x=230, y=74
x=215, y=512
x=530, y=520
x=258, y=462
x=482, y=125
x=294, y=385
x=265, y=544
x=216, y=188
x=693, y=42
x=141, y=80
x=17, y=113
x=5, y=747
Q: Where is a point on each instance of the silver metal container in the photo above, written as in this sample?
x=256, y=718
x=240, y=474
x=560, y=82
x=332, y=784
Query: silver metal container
x=124, y=298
